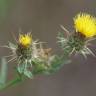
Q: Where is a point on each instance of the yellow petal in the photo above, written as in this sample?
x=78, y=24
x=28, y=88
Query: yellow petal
x=25, y=39
x=85, y=24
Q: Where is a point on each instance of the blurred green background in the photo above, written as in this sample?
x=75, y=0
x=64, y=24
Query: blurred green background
x=43, y=18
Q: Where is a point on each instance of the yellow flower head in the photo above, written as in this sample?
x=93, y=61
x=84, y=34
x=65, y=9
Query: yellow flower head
x=25, y=40
x=85, y=24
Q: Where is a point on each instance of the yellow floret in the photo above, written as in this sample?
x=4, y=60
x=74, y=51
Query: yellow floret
x=25, y=39
x=85, y=24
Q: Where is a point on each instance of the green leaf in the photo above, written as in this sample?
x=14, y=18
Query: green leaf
x=38, y=68
x=28, y=74
x=20, y=69
x=3, y=72
x=57, y=63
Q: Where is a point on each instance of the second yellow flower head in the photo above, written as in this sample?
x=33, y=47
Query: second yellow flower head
x=85, y=24
x=25, y=40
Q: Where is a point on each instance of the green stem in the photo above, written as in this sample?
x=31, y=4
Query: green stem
x=11, y=83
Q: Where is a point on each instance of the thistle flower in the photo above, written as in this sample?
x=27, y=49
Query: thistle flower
x=30, y=55
x=22, y=54
x=24, y=47
x=78, y=41
x=85, y=24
